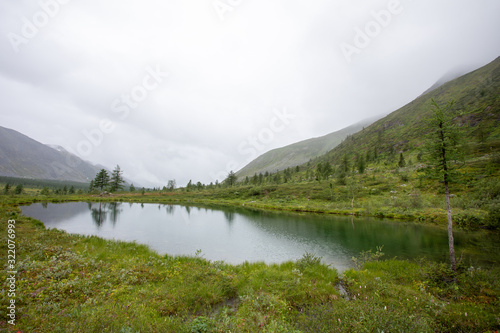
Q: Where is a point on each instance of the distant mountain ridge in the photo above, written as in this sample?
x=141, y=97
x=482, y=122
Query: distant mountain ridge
x=23, y=157
x=400, y=130
x=300, y=152
x=477, y=93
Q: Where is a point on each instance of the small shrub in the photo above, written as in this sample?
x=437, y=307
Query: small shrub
x=493, y=218
x=404, y=177
x=308, y=260
x=368, y=256
x=440, y=278
x=468, y=221
x=202, y=325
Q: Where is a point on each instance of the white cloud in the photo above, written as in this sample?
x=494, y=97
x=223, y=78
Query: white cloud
x=226, y=77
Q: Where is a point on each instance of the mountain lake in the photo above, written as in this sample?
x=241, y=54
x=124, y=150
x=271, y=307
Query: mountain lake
x=236, y=235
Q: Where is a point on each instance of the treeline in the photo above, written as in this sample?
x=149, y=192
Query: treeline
x=40, y=183
x=321, y=170
x=13, y=185
x=279, y=177
x=104, y=181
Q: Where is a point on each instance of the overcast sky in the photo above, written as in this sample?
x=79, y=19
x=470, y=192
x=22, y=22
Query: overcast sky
x=193, y=89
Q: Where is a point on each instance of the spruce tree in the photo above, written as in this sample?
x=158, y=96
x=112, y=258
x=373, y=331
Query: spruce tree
x=361, y=164
x=327, y=170
x=19, y=189
x=116, y=182
x=402, y=162
x=231, y=179
x=171, y=185
x=319, y=171
x=101, y=180
x=344, y=164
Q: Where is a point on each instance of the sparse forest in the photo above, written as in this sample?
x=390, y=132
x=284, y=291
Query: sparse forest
x=438, y=166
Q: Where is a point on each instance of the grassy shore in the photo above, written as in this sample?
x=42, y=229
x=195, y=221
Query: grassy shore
x=70, y=283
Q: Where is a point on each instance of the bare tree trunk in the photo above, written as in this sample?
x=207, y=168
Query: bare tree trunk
x=450, y=228
x=447, y=194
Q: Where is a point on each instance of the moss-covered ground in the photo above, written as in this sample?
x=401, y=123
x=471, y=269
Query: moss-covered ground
x=71, y=283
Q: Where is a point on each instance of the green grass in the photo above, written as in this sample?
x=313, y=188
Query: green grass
x=70, y=283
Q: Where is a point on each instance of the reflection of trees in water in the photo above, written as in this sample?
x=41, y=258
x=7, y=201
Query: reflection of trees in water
x=100, y=213
x=229, y=216
x=115, y=210
x=170, y=209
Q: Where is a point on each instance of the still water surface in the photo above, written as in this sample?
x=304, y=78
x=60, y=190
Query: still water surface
x=236, y=235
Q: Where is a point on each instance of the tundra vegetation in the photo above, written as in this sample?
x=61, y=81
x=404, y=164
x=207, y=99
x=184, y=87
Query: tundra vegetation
x=70, y=283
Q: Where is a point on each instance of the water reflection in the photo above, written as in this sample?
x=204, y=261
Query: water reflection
x=100, y=212
x=238, y=234
x=115, y=211
x=229, y=217
x=169, y=209
x=98, y=215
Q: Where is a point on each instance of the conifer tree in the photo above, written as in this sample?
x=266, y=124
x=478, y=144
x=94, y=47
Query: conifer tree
x=116, y=182
x=171, y=185
x=402, y=162
x=344, y=164
x=442, y=153
x=327, y=170
x=319, y=171
x=101, y=180
x=361, y=164
x=19, y=189
x=231, y=179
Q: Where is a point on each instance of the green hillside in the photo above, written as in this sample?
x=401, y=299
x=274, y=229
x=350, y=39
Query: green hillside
x=401, y=131
x=379, y=171
x=477, y=93
x=67, y=282
x=299, y=153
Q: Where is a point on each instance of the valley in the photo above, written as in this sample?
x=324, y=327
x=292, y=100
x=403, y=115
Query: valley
x=71, y=282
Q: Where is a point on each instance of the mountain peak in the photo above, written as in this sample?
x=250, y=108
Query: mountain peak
x=23, y=157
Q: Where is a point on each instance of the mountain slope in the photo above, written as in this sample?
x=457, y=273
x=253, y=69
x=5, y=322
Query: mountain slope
x=23, y=157
x=450, y=76
x=299, y=153
x=477, y=92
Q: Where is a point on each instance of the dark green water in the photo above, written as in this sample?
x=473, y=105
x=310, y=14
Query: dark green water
x=236, y=235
